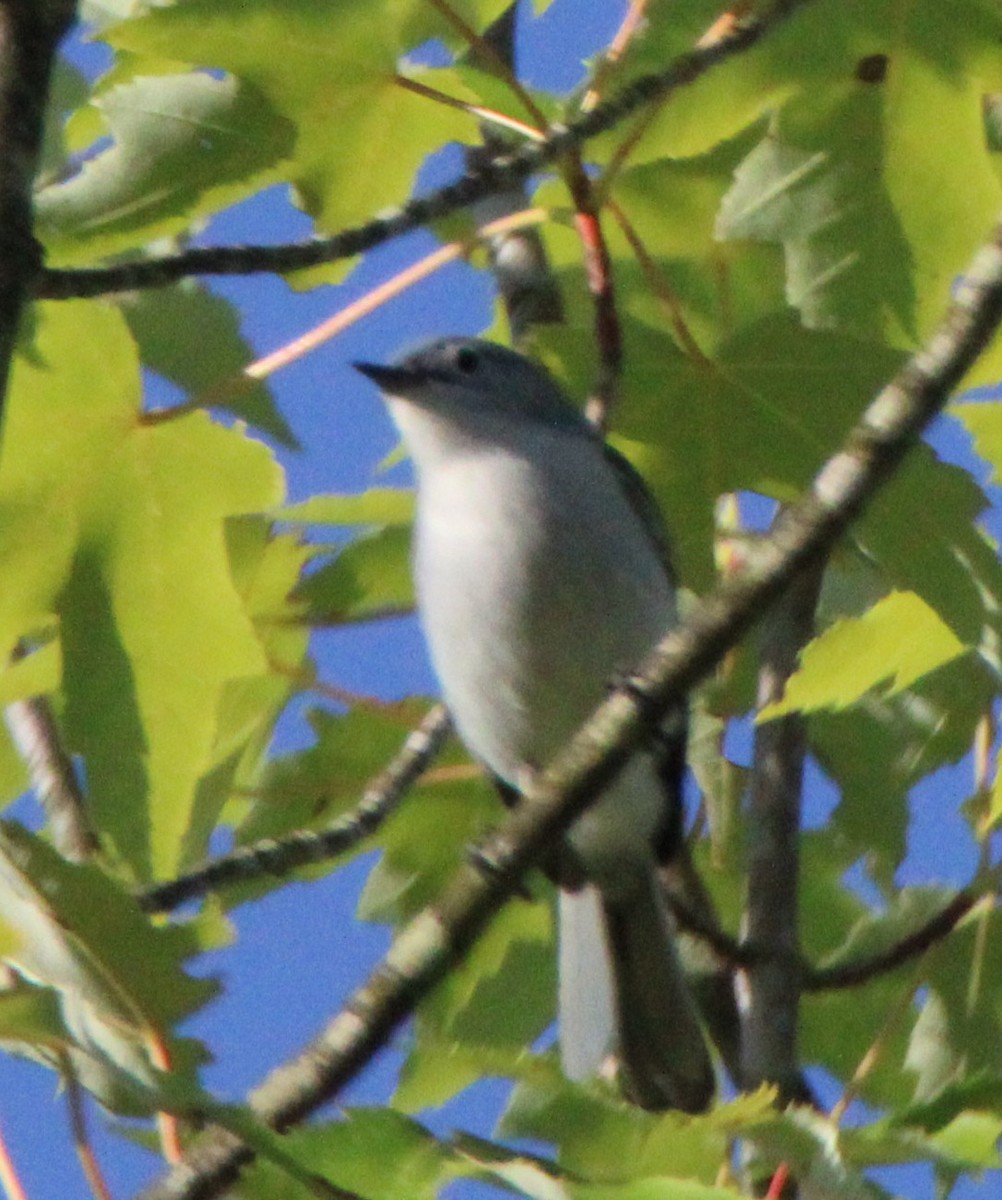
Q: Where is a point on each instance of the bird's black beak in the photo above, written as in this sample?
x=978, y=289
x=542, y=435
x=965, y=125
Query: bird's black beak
x=392, y=380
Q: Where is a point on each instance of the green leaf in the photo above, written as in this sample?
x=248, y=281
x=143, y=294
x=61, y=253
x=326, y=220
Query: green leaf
x=37, y=537
x=983, y=1090
x=311, y=788
x=424, y=842
x=182, y=146
x=514, y=956
x=876, y=177
x=604, y=1140
x=885, y=745
x=439, y=1068
x=837, y=1027
x=192, y=338
x=983, y=420
x=377, y=506
x=119, y=979
x=877, y=933
x=266, y=568
x=971, y=1142
x=651, y=1189
x=68, y=90
x=846, y=262
x=761, y=418
x=360, y=137
x=938, y=550
x=79, y=929
x=153, y=629
x=371, y=576
x=369, y=579
x=967, y=1144
x=29, y=1013
x=37, y=674
x=961, y=1020
x=893, y=644
x=373, y=1152
x=469, y=1026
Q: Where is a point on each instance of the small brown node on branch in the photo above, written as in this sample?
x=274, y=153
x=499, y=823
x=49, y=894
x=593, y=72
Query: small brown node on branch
x=872, y=69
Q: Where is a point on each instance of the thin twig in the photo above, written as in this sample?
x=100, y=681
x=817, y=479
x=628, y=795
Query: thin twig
x=277, y=857
x=438, y=938
x=598, y=272
x=36, y=737
x=484, y=49
x=498, y=175
x=746, y=954
x=78, y=1126
x=168, y=1125
x=900, y=1007
x=846, y=975
x=659, y=285
x=489, y=116
x=624, y=35
x=9, y=1179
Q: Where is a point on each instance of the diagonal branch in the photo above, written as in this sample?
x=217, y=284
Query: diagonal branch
x=36, y=737
x=281, y=856
x=496, y=175
x=436, y=939
x=916, y=943
x=744, y=953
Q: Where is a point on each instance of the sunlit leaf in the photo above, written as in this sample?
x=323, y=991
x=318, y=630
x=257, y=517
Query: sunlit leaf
x=371, y=1152
x=152, y=627
x=370, y=577
x=360, y=136
x=119, y=980
x=191, y=337
x=896, y=642
x=182, y=146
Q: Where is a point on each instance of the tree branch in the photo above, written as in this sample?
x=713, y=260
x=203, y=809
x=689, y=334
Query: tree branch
x=747, y=954
x=492, y=176
x=437, y=938
x=770, y=989
x=36, y=737
x=30, y=31
x=281, y=856
x=851, y=974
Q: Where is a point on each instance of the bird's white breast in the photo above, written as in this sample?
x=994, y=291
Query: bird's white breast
x=561, y=583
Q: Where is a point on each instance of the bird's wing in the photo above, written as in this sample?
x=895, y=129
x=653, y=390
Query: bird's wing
x=644, y=505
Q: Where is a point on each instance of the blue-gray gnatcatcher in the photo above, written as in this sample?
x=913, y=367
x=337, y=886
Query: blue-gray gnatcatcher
x=539, y=576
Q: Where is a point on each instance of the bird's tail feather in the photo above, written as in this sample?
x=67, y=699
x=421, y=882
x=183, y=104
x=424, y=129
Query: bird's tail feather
x=660, y=1041
x=587, y=1010
x=622, y=989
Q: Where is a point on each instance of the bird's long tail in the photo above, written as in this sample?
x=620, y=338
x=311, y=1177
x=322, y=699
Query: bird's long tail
x=622, y=988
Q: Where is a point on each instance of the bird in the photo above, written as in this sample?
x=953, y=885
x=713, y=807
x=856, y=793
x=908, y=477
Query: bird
x=542, y=572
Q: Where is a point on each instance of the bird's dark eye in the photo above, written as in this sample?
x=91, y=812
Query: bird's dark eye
x=467, y=360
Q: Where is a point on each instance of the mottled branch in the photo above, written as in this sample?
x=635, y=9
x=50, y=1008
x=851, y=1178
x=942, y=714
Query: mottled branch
x=36, y=737
x=281, y=856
